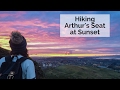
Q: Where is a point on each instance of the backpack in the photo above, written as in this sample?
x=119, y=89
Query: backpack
x=13, y=70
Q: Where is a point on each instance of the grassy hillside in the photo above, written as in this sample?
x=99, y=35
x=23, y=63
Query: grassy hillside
x=80, y=72
x=73, y=72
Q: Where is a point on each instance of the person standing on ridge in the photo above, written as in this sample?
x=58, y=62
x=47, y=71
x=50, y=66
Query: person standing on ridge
x=18, y=47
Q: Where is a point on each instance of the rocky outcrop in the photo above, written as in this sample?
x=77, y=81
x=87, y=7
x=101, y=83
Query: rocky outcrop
x=39, y=72
x=3, y=52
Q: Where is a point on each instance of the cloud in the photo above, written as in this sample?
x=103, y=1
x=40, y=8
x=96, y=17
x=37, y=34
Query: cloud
x=42, y=32
x=11, y=16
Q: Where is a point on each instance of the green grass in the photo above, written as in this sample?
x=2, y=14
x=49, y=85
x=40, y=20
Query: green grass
x=80, y=72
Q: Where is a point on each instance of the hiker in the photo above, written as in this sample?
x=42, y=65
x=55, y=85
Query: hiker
x=18, y=47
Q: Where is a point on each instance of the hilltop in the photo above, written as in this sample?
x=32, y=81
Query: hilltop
x=71, y=71
x=80, y=72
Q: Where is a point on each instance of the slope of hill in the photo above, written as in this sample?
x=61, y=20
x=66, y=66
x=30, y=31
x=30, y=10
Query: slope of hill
x=73, y=72
x=80, y=72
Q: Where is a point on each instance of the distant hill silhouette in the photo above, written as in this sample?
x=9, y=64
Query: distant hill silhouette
x=40, y=74
x=3, y=52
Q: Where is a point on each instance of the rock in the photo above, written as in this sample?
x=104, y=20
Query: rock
x=40, y=74
x=3, y=52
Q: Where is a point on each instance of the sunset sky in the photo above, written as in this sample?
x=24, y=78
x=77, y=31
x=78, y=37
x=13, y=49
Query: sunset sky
x=42, y=31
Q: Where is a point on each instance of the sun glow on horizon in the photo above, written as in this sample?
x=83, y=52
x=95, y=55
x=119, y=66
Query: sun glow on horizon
x=69, y=55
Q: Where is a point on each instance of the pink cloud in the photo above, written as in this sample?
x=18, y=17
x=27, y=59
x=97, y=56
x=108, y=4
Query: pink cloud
x=16, y=15
x=34, y=22
x=6, y=28
x=35, y=35
x=4, y=15
x=45, y=51
x=103, y=49
x=113, y=27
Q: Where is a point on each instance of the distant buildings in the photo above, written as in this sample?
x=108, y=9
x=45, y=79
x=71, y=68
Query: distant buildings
x=57, y=61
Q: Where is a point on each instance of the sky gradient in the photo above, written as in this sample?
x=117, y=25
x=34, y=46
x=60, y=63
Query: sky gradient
x=42, y=32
